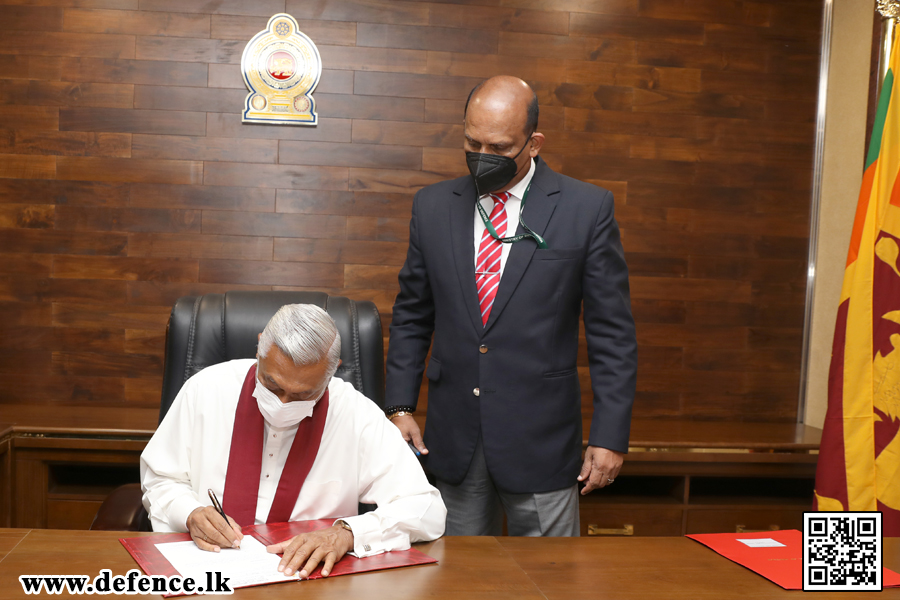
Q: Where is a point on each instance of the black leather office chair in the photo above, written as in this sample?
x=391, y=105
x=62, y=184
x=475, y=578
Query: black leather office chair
x=214, y=328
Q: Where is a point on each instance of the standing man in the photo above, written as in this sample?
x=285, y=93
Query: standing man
x=499, y=265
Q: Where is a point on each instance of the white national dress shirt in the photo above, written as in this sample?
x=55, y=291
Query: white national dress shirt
x=362, y=458
x=513, y=207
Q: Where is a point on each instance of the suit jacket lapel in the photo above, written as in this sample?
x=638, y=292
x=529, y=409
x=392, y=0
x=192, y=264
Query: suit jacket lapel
x=539, y=207
x=462, y=234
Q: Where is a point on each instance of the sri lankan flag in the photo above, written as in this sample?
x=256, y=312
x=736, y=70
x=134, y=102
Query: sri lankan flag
x=859, y=458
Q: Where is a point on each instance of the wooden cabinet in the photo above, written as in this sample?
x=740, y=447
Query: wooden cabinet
x=679, y=477
x=57, y=475
x=707, y=478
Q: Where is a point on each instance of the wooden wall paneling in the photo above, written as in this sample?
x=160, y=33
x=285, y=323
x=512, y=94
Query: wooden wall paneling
x=271, y=273
x=130, y=170
x=381, y=229
x=488, y=65
x=136, y=22
x=62, y=242
x=361, y=11
x=707, y=58
x=499, y=18
x=27, y=167
x=361, y=204
x=341, y=251
x=48, y=68
x=155, y=294
x=180, y=245
x=127, y=178
x=230, y=126
x=274, y=224
x=199, y=50
x=30, y=216
x=124, y=267
x=607, y=7
x=390, y=180
x=110, y=314
x=363, y=106
x=274, y=176
x=433, y=135
x=259, y=8
x=29, y=117
x=563, y=47
x=31, y=18
x=153, y=97
x=349, y=155
x=68, y=44
x=204, y=148
x=66, y=143
x=426, y=38
x=89, y=218
x=149, y=195
x=323, y=32
x=374, y=58
x=132, y=121
x=444, y=161
x=60, y=93
x=144, y=72
x=413, y=85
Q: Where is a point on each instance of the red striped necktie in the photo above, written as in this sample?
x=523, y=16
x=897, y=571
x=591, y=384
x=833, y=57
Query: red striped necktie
x=487, y=265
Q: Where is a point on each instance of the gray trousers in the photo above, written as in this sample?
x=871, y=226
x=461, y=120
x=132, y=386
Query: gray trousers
x=474, y=507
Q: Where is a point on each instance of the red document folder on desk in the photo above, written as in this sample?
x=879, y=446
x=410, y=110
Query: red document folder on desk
x=782, y=565
x=152, y=562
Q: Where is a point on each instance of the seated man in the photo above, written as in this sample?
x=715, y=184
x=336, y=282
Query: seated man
x=281, y=439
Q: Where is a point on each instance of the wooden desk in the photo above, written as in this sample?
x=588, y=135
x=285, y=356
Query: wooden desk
x=520, y=568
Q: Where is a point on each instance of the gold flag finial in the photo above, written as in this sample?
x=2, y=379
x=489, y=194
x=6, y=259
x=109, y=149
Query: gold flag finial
x=889, y=9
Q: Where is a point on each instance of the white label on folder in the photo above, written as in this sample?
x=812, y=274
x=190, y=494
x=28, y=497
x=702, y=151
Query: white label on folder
x=762, y=543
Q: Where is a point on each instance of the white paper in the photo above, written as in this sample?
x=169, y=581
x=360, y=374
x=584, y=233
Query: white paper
x=762, y=543
x=251, y=565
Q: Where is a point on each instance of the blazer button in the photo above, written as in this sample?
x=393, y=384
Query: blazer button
x=476, y=391
x=483, y=349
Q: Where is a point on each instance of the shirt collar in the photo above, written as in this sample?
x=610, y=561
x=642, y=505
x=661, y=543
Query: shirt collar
x=518, y=190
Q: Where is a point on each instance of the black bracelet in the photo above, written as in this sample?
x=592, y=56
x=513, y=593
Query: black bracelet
x=395, y=409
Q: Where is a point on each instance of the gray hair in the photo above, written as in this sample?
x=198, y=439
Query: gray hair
x=304, y=332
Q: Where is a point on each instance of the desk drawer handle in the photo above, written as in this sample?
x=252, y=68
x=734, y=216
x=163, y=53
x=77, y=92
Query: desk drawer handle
x=743, y=529
x=597, y=530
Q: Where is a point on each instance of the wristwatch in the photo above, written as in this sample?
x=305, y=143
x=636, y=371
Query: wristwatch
x=344, y=524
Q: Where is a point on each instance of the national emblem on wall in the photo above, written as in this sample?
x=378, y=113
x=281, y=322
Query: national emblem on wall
x=281, y=67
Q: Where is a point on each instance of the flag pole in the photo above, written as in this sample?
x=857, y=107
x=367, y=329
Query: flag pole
x=890, y=13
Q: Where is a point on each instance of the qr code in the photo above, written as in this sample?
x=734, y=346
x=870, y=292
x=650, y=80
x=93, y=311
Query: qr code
x=842, y=551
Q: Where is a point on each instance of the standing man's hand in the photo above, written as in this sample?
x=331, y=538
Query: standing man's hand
x=600, y=468
x=410, y=431
x=210, y=531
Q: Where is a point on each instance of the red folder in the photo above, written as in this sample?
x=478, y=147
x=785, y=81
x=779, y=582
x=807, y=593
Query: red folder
x=152, y=562
x=782, y=565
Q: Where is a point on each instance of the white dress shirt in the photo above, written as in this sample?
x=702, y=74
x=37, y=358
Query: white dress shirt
x=513, y=207
x=362, y=458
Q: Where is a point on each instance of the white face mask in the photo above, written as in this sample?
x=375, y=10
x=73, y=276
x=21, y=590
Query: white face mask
x=278, y=413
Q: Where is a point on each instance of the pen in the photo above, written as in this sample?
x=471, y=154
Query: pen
x=218, y=506
x=414, y=449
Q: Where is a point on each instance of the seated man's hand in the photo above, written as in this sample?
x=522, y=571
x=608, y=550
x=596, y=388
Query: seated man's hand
x=210, y=531
x=325, y=546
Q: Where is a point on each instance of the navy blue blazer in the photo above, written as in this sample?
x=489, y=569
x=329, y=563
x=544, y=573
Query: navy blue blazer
x=523, y=361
